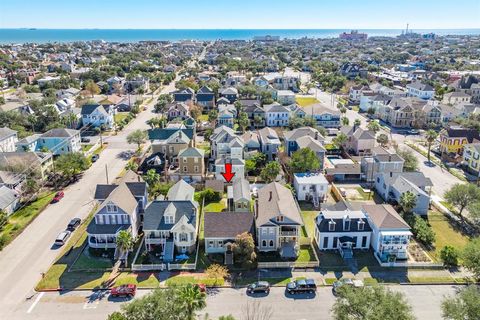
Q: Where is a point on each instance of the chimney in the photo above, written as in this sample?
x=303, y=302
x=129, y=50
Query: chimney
x=271, y=195
x=316, y=135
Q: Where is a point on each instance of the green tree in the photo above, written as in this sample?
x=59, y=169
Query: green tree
x=449, y=256
x=463, y=306
x=244, y=249
x=340, y=140
x=410, y=161
x=373, y=126
x=270, y=171
x=304, y=160
x=371, y=303
x=3, y=219
x=243, y=121
x=92, y=88
x=461, y=195
x=152, y=177
x=192, y=300
x=408, y=201
x=216, y=271
x=471, y=257
x=137, y=137
x=382, y=139
x=430, y=136
x=345, y=121
x=357, y=122
x=422, y=231
x=71, y=164
x=125, y=242
x=212, y=116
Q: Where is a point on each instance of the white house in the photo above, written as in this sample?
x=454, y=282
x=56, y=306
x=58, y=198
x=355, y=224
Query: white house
x=8, y=139
x=277, y=115
x=97, y=115
x=238, y=167
x=285, y=97
x=310, y=186
x=390, y=233
x=420, y=90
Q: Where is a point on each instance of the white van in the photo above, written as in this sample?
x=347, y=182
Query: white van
x=62, y=238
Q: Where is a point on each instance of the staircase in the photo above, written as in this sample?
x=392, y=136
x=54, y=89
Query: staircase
x=168, y=251
x=315, y=198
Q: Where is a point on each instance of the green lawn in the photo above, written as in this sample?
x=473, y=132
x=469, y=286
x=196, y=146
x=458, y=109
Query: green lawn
x=306, y=254
x=445, y=234
x=356, y=108
x=309, y=221
x=120, y=116
x=203, y=117
x=183, y=280
x=332, y=261
x=86, y=147
x=18, y=221
x=216, y=206
x=142, y=280
x=306, y=101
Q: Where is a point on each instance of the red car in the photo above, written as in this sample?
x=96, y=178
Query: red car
x=126, y=290
x=58, y=196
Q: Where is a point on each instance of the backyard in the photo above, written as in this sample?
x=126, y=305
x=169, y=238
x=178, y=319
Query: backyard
x=306, y=101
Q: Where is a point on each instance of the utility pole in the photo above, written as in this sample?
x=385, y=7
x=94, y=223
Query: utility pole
x=106, y=172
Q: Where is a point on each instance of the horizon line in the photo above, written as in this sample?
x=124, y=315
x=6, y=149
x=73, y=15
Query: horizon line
x=343, y=28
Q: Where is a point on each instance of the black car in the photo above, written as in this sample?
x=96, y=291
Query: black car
x=85, y=140
x=73, y=224
x=301, y=286
x=95, y=157
x=259, y=287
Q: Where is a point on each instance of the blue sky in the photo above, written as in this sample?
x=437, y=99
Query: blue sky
x=241, y=14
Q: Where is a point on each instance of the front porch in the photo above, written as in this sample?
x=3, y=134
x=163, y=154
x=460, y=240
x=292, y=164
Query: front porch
x=102, y=241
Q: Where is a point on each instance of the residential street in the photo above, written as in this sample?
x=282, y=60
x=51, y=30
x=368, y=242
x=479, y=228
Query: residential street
x=425, y=301
x=31, y=253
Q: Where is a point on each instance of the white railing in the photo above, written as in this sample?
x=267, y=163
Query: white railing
x=288, y=233
x=180, y=266
x=287, y=264
x=148, y=267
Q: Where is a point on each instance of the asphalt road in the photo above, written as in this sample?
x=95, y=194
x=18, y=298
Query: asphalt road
x=425, y=301
x=31, y=253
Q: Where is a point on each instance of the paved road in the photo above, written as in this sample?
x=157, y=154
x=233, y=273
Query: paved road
x=31, y=253
x=425, y=301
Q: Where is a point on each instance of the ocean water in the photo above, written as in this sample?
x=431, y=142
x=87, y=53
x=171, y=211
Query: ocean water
x=134, y=35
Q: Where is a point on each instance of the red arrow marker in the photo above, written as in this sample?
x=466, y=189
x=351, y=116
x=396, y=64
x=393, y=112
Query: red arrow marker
x=228, y=174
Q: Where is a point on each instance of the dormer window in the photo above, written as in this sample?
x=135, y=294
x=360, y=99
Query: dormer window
x=346, y=224
x=112, y=208
x=331, y=226
x=279, y=218
x=361, y=225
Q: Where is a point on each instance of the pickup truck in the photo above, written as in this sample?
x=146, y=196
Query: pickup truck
x=301, y=286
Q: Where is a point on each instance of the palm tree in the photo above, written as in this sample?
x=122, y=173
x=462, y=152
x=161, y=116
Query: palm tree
x=408, y=201
x=125, y=242
x=192, y=299
x=357, y=122
x=430, y=136
x=340, y=140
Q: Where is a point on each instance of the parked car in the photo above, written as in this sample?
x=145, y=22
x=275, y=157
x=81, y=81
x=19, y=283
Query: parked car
x=58, y=196
x=413, y=131
x=346, y=282
x=301, y=286
x=85, y=140
x=73, y=224
x=126, y=290
x=259, y=286
x=95, y=157
x=62, y=238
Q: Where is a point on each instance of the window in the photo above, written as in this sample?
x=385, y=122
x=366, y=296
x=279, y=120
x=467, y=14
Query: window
x=361, y=225
x=184, y=168
x=169, y=219
x=271, y=230
x=271, y=243
x=325, y=242
x=113, y=219
x=220, y=243
x=335, y=241
x=331, y=226
x=184, y=160
x=195, y=168
x=112, y=208
x=183, y=237
x=264, y=230
x=210, y=243
x=100, y=219
x=264, y=243
x=279, y=218
x=195, y=160
x=346, y=225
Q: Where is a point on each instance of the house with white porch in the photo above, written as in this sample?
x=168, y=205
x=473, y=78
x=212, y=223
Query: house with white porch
x=310, y=187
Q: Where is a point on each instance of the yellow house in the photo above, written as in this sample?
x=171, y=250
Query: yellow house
x=453, y=139
x=471, y=157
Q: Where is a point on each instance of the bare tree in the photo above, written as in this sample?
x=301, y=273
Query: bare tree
x=256, y=311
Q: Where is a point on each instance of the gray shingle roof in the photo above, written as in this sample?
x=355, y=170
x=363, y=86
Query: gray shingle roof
x=227, y=224
x=241, y=189
x=60, y=133
x=384, y=216
x=154, y=219
x=274, y=200
x=181, y=191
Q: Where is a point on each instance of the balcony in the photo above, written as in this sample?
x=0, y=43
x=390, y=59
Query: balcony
x=289, y=233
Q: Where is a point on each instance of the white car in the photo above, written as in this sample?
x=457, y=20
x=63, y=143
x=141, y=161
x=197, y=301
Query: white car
x=62, y=237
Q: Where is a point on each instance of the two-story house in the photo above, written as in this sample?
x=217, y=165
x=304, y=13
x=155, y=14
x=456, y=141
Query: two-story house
x=224, y=143
x=59, y=141
x=8, y=139
x=191, y=165
x=381, y=162
x=171, y=145
x=291, y=138
x=96, y=115
x=170, y=227
x=239, y=196
x=390, y=233
x=278, y=220
x=453, y=138
x=205, y=97
x=360, y=141
x=310, y=187
x=227, y=113
x=183, y=95
x=342, y=230
x=230, y=93
x=324, y=117
x=269, y=142
x=471, y=158
x=420, y=90
x=277, y=115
